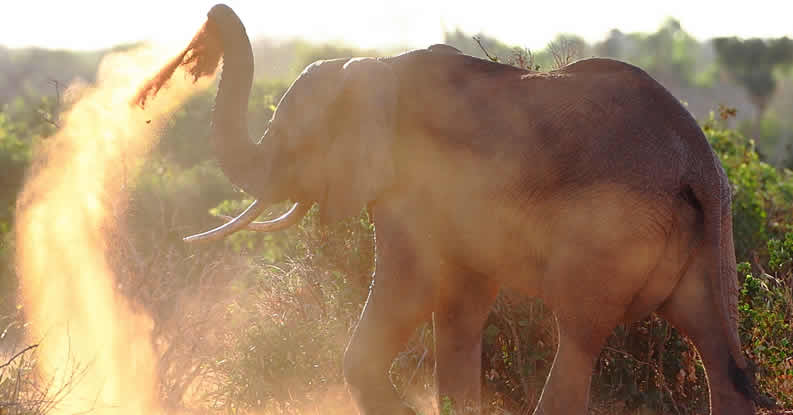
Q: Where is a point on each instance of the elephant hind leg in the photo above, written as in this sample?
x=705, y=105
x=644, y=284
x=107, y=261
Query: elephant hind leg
x=566, y=390
x=463, y=307
x=690, y=310
x=590, y=291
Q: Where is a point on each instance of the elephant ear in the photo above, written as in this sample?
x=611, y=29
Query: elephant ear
x=360, y=162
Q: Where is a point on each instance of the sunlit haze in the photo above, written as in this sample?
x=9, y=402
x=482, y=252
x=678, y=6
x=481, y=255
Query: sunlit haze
x=90, y=24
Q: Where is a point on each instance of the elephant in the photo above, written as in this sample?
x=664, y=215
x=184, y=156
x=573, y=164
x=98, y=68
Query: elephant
x=589, y=187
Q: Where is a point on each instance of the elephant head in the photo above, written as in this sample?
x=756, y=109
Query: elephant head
x=329, y=140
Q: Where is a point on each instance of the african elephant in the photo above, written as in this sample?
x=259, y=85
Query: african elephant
x=590, y=187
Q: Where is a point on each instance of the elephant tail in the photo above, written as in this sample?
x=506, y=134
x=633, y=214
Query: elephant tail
x=714, y=198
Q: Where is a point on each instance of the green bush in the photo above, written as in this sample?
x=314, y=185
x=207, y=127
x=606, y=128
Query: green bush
x=22, y=125
x=763, y=222
x=294, y=314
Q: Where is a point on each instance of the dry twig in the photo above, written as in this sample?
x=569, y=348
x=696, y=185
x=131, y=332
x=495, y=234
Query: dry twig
x=478, y=41
x=20, y=353
x=564, y=51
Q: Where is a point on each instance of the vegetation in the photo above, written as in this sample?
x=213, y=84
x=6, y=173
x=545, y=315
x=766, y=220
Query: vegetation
x=259, y=322
x=752, y=63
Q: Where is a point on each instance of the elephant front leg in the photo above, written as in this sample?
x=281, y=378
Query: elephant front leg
x=402, y=296
x=385, y=326
x=462, y=310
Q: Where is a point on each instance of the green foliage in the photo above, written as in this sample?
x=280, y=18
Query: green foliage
x=23, y=123
x=518, y=348
x=446, y=406
x=14, y=157
x=780, y=252
x=8, y=285
x=766, y=310
x=649, y=364
x=762, y=193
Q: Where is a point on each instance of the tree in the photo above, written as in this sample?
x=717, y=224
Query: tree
x=752, y=62
x=669, y=54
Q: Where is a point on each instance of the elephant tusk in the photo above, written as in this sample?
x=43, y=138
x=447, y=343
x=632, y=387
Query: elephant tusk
x=291, y=217
x=240, y=222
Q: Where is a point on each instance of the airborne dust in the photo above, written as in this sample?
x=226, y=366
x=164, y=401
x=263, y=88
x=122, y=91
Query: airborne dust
x=96, y=350
x=95, y=345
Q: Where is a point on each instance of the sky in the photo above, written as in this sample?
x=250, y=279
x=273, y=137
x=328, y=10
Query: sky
x=89, y=24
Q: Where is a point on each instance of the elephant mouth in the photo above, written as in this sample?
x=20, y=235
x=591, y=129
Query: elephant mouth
x=246, y=220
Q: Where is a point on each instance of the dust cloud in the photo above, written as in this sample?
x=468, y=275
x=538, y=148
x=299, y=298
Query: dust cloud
x=96, y=353
x=95, y=345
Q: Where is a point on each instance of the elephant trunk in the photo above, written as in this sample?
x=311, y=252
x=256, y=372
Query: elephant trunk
x=243, y=162
x=238, y=156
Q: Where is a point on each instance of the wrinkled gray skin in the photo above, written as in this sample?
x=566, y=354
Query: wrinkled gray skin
x=589, y=187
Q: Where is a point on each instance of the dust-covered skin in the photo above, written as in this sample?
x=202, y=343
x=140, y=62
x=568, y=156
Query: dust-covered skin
x=589, y=187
